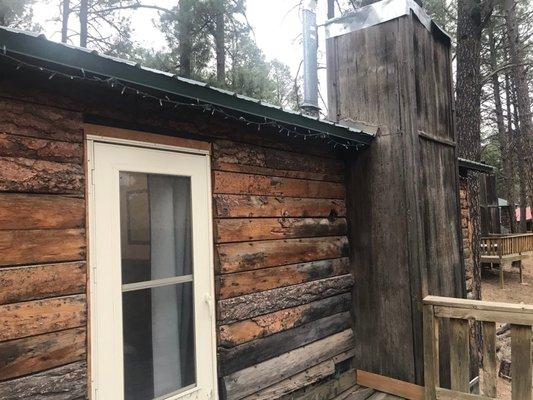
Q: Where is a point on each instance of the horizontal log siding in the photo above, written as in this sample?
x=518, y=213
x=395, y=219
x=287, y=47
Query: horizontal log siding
x=282, y=272
x=283, y=290
x=43, y=302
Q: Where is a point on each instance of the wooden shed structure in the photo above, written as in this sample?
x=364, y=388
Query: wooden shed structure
x=160, y=238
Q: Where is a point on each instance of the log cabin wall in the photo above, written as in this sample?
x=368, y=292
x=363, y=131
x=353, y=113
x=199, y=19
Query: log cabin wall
x=282, y=274
x=404, y=216
x=466, y=232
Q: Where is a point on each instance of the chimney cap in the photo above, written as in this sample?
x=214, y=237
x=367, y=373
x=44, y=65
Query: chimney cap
x=377, y=13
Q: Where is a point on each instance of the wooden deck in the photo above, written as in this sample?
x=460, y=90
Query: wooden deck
x=362, y=393
x=504, y=250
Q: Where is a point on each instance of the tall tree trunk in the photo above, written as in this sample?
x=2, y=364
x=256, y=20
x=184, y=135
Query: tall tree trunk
x=503, y=136
x=523, y=105
x=84, y=15
x=64, y=20
x=220, y=44
x=512, y=147
x=470, y=19
x=185, y=26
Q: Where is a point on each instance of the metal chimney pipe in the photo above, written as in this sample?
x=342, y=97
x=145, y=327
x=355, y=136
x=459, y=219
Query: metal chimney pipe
x=310, y=42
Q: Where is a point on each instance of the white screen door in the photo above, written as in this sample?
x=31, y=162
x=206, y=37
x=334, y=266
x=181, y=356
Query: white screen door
x=151, y=274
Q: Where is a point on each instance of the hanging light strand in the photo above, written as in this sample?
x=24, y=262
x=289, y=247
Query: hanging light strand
x=166, y=101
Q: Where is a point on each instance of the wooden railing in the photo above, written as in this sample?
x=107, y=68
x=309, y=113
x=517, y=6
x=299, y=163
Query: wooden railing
x=502, y=245
x=459, y=312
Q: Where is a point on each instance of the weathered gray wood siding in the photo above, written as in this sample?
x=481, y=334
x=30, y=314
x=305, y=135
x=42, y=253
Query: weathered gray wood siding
x=402, y=194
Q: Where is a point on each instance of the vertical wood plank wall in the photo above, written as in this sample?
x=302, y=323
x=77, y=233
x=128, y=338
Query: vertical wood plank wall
x=404, y=215
x=283, y=283
x=43, y=308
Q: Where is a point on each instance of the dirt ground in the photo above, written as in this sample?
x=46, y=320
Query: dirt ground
x=513, y=292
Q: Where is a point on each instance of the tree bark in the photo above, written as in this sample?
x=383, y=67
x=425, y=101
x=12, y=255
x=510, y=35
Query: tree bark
x=512, y=148
x=504, y=137
x=523, y=107
x=84, y=12
x=220, y=45
x=471, y=16
x=64, y=20
x=185, y=22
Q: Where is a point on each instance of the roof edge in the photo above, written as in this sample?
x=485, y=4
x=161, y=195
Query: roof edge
x=37, y=47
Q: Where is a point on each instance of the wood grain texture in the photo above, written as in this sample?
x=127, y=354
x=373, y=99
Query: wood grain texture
x=29, y=119
x=40, y=246
x=279, y=321
x=68, y=382
x=40, y=149
x=252, y=305
x=42, y=316
x=231, y=152
x=236, y=257
x=459, y=355
x=39, y=281
x=40, y=176
x=38, y=353
x=251, y=169
x=260, y=376
x=385, y=384
x=304, y=379
x=521, y=362
x=241, y=283
x=259, y=350
x=301, y=379
x=240, y=230
x=490, y=372
x=235, y=183
x=31, y=211
x=329, y=389
x=246, y=206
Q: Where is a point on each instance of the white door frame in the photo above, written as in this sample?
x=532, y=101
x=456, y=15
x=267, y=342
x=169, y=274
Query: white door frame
x=91, y=140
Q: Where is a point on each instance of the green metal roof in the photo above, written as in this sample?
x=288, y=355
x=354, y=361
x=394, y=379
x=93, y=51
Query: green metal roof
x=30, y=46
x=476, y=166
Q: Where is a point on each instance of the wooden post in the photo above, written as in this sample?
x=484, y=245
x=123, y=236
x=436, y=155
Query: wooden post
x=431, y=352
x=521, y=368
x=490, y=377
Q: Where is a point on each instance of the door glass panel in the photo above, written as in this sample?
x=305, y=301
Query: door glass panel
x=159, y=354
x=157, y=317
x=155, y=214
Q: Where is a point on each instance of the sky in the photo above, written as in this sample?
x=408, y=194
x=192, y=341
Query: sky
x=276, y=23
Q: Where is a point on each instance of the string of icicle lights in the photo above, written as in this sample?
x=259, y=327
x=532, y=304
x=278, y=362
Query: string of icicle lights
x=165, y=100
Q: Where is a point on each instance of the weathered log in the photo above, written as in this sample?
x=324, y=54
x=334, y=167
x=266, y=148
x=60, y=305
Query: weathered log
x=39, y=211
x=241, y=283
x=251, y=169
x=259, y=350
x=246, y=206
x=28, y=119
x=40, y=246
x=68, y=382
x=226, y=151
x=268, y=324
x=235, y=183
x=39, y=281
x=301, y=379
x=252, y=379
x=39, y=176
x=40, y=149
x=240, y=230
x=37, y=353
x=298, y=381
x=331, y=388
x=42, y=316
x=246, y=256
x=252, y=305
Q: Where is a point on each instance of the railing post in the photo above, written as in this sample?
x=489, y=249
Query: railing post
x=521, y=368
x=431, y=352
